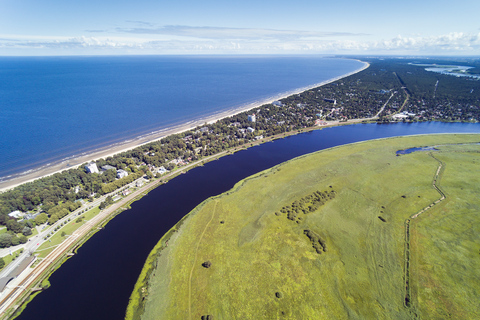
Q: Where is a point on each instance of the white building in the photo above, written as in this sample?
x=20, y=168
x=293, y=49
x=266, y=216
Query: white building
x=16, y=214
x=121, y=173
x=403, y=115
x=91, y=168
x=162, y=170
x=250, y=129
x=251, y=117
x=277, y=103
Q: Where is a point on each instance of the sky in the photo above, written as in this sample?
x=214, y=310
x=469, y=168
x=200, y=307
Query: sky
x=369, y=27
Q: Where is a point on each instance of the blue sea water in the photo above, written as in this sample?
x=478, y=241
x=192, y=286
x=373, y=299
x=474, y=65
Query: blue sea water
x=52, y=108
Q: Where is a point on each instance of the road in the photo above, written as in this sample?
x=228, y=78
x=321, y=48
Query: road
x=37, y=241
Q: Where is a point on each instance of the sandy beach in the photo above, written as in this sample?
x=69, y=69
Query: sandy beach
x=147, y=138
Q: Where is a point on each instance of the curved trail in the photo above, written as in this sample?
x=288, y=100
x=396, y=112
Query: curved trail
x=195, y=263
x=407, y=301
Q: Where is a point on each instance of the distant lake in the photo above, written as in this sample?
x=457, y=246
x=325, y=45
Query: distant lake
x=55, y=108
x=457, y=71
x=96, y=283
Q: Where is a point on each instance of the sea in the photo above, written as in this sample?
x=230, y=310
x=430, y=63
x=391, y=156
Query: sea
x=56, y=108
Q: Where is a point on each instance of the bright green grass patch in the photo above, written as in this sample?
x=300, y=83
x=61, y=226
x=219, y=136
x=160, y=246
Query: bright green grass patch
x=10, y=257
x=68, y=229
x=91, y=213
x=263, y=266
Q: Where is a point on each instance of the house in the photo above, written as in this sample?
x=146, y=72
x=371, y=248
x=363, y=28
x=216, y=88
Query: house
x=277, y=103
x=319, y=122
x=108, y=167
x=121, y=173
x=251, y=117
x=178, y=162
x=30, y=216
x=250, y=129
x=16, y=214
x=162, y=170
x=404, y=115
x=91, y=168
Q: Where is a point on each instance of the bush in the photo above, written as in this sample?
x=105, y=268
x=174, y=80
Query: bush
x=23, y=239
x=5, y=240
x=15, y=241
x=27, y=231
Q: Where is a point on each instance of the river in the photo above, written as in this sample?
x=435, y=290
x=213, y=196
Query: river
x=97, y=282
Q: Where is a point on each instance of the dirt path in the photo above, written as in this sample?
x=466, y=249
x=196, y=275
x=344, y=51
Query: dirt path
x=407, y=249
x=195, y=263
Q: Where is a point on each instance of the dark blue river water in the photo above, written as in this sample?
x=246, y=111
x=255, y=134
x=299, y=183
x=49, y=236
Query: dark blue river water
x=98, y=281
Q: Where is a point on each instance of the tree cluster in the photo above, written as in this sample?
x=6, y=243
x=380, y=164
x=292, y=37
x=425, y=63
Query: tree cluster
x=317, y=242
x=307, y=204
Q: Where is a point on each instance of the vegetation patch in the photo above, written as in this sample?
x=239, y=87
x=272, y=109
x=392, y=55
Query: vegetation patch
x=317, y=242
x=307, y=204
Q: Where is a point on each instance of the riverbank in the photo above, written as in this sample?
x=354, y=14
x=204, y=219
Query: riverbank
x=234, y=235
x=53, y=168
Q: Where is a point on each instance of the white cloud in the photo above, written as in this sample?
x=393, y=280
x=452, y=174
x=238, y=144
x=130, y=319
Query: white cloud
x=193, y=40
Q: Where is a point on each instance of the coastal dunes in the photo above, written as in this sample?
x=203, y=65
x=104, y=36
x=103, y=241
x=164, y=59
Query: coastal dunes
x=75, y=161
x=263, y=265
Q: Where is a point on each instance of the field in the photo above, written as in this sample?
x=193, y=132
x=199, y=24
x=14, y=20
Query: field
x=360, y=253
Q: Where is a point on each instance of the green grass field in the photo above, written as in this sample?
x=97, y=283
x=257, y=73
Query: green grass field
x=263, y=266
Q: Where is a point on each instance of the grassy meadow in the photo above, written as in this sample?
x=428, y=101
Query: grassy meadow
x=263, y=266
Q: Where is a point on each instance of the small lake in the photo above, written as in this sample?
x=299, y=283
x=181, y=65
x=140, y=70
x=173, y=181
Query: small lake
x=411, y=150
x=97, y=282
x=457, y=71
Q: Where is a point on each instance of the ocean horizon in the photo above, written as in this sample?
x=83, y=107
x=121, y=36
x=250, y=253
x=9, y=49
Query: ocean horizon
x=57, y=108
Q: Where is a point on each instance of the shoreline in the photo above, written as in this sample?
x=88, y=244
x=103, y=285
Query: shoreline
x=75, y=162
